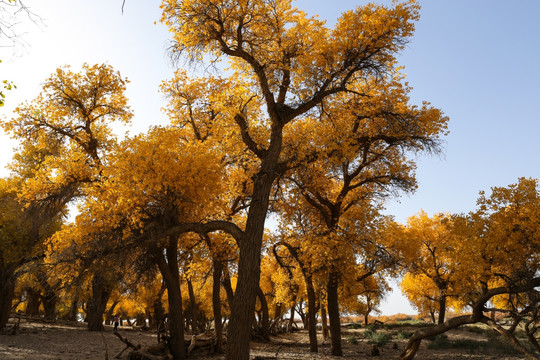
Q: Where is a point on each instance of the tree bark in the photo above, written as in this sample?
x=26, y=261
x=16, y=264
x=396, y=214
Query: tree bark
x=98, y=302
x=265, y=320
x=159, y=312
x=216, y=304
x=243, y=305
x=324, y=320
x=333, y=312
x=193, y=309
x=33, y=301
x=442, y=309
x=7, y=286
x=312, y=312
x=74, y=308
x=169, y=271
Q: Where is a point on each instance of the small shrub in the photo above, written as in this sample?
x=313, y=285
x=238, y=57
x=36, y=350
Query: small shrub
x=354, y=326
x=380, y=338
x=368, y=333
x=352, y=340
x=403, y=334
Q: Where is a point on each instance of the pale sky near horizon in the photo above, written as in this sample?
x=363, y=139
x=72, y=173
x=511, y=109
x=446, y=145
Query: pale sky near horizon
x=479, y=61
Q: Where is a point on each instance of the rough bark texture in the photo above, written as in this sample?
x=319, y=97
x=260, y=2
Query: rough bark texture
x=243, y=305
x=333, y=313
x=98, y=302
x=169, y=270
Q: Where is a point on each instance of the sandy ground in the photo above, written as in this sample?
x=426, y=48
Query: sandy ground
x=42, y=341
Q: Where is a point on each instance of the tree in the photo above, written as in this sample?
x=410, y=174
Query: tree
x=430, y=244
x=286, y=65
x=22, y=231
x=496, y=256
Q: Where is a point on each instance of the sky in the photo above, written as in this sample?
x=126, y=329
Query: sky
x=478, y=61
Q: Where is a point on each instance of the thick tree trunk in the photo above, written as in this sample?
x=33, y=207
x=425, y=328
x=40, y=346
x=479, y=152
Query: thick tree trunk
x=243, y=306
x=265, y=319
x=7, y=286
x=442, y=309
x=169, y=270
x=33, y=301
x=49, y=297
x=49, y=305
x=216, y=304
x=98, y=303
x=333, y=313
x=312, y=312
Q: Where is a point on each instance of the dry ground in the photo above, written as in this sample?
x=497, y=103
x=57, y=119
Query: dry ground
x=42, y=341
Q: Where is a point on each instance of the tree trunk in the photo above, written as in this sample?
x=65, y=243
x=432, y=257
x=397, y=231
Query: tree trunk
x=98, y=303
x=265, y=320
x=312, y=312
x=442, y=309
x=73, y=309
x=33, y=301
x=7, y=285
x=291, y=316
x=159, y=312
x=110, y=313
x=49, y=297
x=420, y=334
x=249, y=263
x=194, y=309
x=226, y=282
x=324, y=321
x=169, y=271
x=216, y=304
x=333, y=312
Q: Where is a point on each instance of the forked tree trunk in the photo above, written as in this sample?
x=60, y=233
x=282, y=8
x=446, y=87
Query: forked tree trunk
x=49, y=297
x=216, y=304
x=333, y=313
x=169, y=270
x=98, y=302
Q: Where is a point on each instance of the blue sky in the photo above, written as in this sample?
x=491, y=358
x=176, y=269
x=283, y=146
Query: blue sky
x=479, y=61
